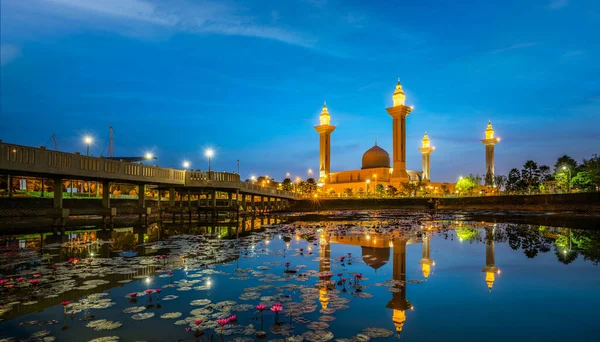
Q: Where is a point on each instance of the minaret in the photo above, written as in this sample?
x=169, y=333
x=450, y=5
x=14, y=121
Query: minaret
x=489, y=143
x=399, y=112
x=426, y=150
x=426, y=261
x=324, y=267
x=399, y=303
x=324, y=129
x=490, y=268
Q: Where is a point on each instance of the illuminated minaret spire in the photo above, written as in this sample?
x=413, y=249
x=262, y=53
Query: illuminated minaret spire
x=399, y=304
x=426, y=150
x=490, y=268
x=426, y=261
x=324, y=129
x=398, y=112
x=489, y=143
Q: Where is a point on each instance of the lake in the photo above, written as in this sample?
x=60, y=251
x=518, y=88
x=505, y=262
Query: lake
x=342, y=276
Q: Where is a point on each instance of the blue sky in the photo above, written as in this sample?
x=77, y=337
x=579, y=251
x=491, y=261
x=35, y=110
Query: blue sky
x=249, y=79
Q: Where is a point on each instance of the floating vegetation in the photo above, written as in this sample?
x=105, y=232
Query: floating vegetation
x=142, y=316
x=171, y=315
x=103, y=324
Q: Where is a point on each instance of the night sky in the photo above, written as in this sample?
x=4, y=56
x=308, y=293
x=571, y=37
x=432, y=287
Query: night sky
x=249, y=79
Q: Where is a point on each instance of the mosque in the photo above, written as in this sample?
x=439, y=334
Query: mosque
x=377, y=166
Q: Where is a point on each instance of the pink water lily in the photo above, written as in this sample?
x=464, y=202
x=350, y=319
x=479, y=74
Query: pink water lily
x=37, y=275
x=149, y=291
x=261, y=307
x=276, y=307
x=158, y=290
x=65, y=303
x=34, y=282
x=198, y=322
x=222, y=322
x=20, y=279
x=188, y=329
x=132, y=295
x=232, y=318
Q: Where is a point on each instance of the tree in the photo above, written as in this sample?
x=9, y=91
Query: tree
x=545, y=173
x=592, y=167
x=489, y=179
x=582, y=181
x=301, y=188
x=530, y=175
x=500, y=182
x=391, y=191
x=513, y=182
x=379, y=189
x=565, y=161
x=311, y=186
x=287, y=184
x=467, y=184
x=348, y=192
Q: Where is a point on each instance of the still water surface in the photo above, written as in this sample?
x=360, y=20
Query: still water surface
x=373, y=275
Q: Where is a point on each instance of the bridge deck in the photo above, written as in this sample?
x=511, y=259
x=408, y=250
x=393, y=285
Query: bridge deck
x=40, y=162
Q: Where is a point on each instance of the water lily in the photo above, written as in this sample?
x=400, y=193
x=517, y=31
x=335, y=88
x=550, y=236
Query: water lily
x=132, y=295
x=198, y=322
x=232, y=318
x=64, y=304
x=261, y=307
x=37, y=275
x=34, y=282
x=222, y=322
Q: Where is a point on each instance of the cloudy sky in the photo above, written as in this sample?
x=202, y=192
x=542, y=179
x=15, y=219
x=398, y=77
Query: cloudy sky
x=249, y=78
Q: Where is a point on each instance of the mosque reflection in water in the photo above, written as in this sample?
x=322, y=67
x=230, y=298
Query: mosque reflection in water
x=376, y=249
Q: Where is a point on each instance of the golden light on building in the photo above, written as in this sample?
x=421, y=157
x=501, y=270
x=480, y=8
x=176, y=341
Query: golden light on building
x=399, y=98
x=489, y=131
x=324, y=118
x=323, y=298
x=399, y=317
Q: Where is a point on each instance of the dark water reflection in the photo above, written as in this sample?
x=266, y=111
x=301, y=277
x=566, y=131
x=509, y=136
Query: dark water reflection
x=392, y=275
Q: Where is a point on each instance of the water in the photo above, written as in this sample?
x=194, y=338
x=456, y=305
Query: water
x=423, y=278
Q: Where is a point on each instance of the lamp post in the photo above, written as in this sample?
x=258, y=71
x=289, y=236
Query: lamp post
x=569, y=179
x=88, y=141
x=148, y=157
x=238, y=165
x=367, y=184
x=209, y=153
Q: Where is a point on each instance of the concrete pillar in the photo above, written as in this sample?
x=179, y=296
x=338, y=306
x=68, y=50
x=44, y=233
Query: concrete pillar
x=189, y=200
x=253, y=199
x=58, y=195
x=171, y=197
x=143, y=213
x=213, y=199
x=243, y=201
x=230, y=199
x=105, y=194
x=9, y=184
x=263, y=205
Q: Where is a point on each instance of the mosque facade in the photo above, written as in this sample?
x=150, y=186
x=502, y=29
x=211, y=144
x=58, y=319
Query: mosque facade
x=378, y=167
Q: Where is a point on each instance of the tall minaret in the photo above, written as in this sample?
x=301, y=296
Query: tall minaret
x=426, y=261
x=324, y=129
x=489, y=143
x=399, y=112
x=490, y=268
x=399, y=303
x=426, y=150
x=324, y=267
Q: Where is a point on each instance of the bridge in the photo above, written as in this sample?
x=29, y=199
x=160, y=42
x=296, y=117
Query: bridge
x=26, y=161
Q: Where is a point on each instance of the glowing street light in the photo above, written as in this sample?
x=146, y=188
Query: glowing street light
x=253, y=179
x=287, y=175
x=209, y=153
x=309, y=172
x=186, y=164
x=149, y=156
x=88, y=141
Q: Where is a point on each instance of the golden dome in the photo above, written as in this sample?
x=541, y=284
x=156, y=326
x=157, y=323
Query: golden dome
x=377, y=256
x=375, y=157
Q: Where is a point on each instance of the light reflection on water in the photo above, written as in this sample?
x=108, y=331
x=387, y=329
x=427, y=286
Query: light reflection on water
x=422, y=279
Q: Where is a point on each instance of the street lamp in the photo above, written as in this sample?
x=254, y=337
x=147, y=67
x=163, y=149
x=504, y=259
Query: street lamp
x=287, y=175
x=367, y=183
x=148, y=157
x=569, y=179
x=253, y=179
x=209, y=153
x=309, y=172
x=238, y=165
x=186, y=164
x=88, y=141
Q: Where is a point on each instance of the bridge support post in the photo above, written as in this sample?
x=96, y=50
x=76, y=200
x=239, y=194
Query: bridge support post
x=108, y=211
x=243, y=202
x=143, y=211
x=253, y=199
x=213, y=200
x=171, y=197
x=9, y=185
x=189, y=201
x=58, y=212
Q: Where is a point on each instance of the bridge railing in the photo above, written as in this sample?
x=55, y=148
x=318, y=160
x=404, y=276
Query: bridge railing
x=213, y=176
x=41, y=161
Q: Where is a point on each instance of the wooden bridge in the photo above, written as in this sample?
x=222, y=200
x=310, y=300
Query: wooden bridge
x=18, y=160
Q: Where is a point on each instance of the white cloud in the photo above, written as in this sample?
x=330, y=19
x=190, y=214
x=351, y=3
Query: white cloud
x=515, y=47
x=159, y=17
x=557, y=4
x=8, y=53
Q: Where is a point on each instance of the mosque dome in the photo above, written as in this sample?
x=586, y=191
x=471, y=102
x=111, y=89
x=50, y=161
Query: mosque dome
x=375, y=157
x=375, y=257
